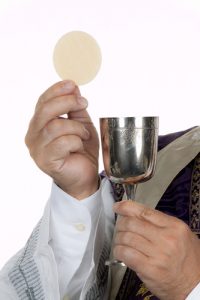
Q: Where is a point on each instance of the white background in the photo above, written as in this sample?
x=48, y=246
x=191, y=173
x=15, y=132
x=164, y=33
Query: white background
x=151, y=66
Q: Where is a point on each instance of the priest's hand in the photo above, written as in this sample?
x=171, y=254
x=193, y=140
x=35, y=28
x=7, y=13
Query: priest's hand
x=161, y=249
x=66, y=148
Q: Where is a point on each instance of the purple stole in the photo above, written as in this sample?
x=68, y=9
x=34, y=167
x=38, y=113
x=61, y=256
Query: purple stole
x=181, y=199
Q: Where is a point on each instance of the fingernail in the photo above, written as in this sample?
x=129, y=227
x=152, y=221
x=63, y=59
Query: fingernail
x=69, y=85
x=82, y=101
x=117, y=205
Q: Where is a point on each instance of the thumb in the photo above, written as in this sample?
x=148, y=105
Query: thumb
x=84, y=117
x=80, y=115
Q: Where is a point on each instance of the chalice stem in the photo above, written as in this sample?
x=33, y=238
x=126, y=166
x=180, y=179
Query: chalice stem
x=130, y=190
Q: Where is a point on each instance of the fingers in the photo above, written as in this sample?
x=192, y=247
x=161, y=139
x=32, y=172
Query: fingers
x=61, y=127
x=65, y=148
x=134, y=241
x=47, y=124
x=132, y=258
x=158, y=247
x=132, y=208
x=61, y=88
x=53, y=108
x=138, y=226
x=52, y=157
x=79, y=115
x=147, y=231
x=62, y=147
x=62, y=98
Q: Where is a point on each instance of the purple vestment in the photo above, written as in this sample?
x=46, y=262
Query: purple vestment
x=181, y=199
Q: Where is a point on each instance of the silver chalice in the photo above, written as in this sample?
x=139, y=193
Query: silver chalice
x=129, y=147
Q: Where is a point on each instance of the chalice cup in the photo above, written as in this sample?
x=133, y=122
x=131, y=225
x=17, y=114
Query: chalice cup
x=129, y=148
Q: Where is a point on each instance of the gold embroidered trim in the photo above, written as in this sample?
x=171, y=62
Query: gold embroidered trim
x=143, y=291
x=194, y=210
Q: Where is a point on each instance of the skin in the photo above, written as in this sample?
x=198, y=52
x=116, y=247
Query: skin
x=161, y=249
x=65, y=148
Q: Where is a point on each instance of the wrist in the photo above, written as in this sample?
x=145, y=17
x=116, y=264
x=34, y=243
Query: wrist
x=82, y=190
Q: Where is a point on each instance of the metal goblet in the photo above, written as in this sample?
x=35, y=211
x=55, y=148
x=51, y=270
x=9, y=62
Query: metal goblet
x=129, y=148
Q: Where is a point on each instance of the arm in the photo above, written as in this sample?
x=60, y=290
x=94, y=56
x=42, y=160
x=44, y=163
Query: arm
x=76, y=228
x=79, y=232
x=67, y=150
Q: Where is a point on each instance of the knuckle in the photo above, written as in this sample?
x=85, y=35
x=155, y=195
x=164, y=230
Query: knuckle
x=175, y=238
x=38, y=157
x=118, y=223
x=76, y=128
x=84, y=131
x=61, y=142
x=125, y=206
x=26, y=140
x=129, y=223
x=56, y=87
x=78, y=142
x=123, y=238
x=124, y=223
x=67, y=142
x=41, y=99
x=40, y=103
x=34, y=153
x=179, y=232
x=146, y=212
x=39, y=160
x=29, y=136
x=43, y=109
x=30, y=145
x=182, y=228
x=61, y=85
x=126, y=237
x=53, y=126
x=130, y=240
x=118, y=252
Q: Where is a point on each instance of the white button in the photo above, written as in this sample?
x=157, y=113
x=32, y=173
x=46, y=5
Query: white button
x=80, y=227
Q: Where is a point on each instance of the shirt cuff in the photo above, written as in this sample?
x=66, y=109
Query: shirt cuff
x=195, y=293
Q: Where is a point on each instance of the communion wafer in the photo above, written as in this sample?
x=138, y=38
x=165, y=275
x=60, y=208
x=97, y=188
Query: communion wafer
x=77, y=56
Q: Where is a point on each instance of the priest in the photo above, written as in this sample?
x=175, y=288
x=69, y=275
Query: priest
x=156, y=236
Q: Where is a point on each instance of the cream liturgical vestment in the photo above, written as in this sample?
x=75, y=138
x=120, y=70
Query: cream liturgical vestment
x=33, y=273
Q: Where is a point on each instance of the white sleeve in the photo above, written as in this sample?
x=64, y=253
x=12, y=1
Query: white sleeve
x=195, y=293
x=74, y=227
